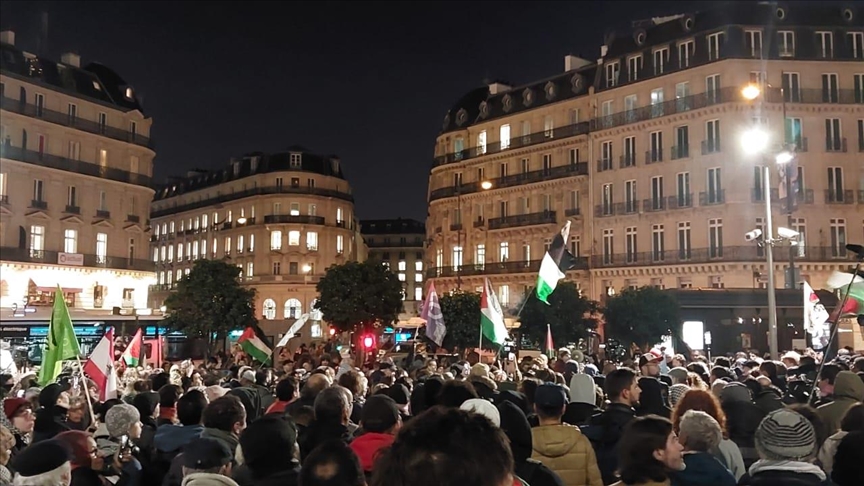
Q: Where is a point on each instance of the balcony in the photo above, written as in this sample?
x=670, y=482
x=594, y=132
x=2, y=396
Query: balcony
x=4, y=198
x=69, y=165
x=712, y=198
x=51, y=257
x=680, y=201
x=544, y=217
x=59, y=118
x=839, y=197
x=541, y=175
x=133, y=218
x=572, y=212
x=456, y=227
x=395, y=244
x=604, y=210
x=535, y=138
x=103, y=214
x=671, y=107
x=479, y=222
x=293, y=219
x=750, y=253
x=653, y=205
x=627, y=160
x=72, y=209
x=257, y=191
x=495, y=268
x=820, y=96
x=680, y=152
x=627, y=207
x=799, y=144
x=836, y=145
x=604, y=165
x=653, y=156
x=37, y=204
x=711, y=146
x=801, y=197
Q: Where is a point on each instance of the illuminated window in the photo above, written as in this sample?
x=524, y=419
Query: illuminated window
x=70, y=242
x=275, y=240
x=401, y=277
x=418, y=266
x=101, y=247
x=418, y=277
x=340, y=245
x=293, y=238
x=249, y=268
x=418, y=293
x=293, y=309
x=402, y=266
x=314, y=314
x=269, y=309
x=312, y=241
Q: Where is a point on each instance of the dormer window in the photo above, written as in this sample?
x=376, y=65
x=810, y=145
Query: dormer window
x=295, y=160
x=129, y=93
x=96, y=86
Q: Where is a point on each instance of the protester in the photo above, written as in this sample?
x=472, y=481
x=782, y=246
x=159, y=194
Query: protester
x=786, y=443
x=168, y=396
x=455, y=393
x=853, y=421
x=270, y=455
x=314, y=385
x=21, y=422
x=648, y=451
x=583, y=400
x=514, y=423
x=332, y=414
x=651, y=401
x=224, y=420
x=726, y=450
x=742, y=419
x=699, y=434
x=170, y=439
x=357, y=384
x=7, y=442
x=378, y=426
x=332, y=463
x=45, y=463
x=848, y=390
x=51, y=416
x=123, y=423
x=85, y=459
x=605, y=429
x=847, y=463
x=207, y=463
x=286, y=392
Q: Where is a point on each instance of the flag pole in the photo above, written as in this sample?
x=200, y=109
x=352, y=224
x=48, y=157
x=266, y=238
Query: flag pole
x=527, y=296
x=86, y=391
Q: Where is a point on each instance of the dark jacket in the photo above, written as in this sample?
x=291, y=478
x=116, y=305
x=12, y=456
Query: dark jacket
x=49, y=423
x=742, y=420
x=579, y=413
x=84, y=476
x=848, y=390
x=317, y=433
x=604, y=431
x=769, y=399
x=765, y=475
x=515, y=425
x=286, y=477
x=168, y=443
x=703, y=469
x=651, y=400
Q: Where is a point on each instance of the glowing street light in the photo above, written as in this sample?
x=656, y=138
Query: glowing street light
x=486, y=185
x=751, y=92
x=784, y=157
x=754, y=141
x=241, y=220
x=307, y=268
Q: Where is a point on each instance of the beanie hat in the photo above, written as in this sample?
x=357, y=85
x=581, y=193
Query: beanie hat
x=40, y=458
x=120, y=418
x=205, y=453
x=379, y=414
x=677, y=391
x=146, y=403
x=785, y=435
x=263, y=438
x=12, y=405
x=399, y=393
x=49, y=395
x=215, y=391
x=484, y=408
x=735, y=392
x=679, y=374
x=582, y=389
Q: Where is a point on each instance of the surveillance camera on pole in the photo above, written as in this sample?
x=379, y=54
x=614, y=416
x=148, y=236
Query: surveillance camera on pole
x=753, y=235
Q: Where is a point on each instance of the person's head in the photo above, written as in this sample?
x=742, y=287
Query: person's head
x=853, y=419
x=333, y=405
x=826, y=379
x=719, y=372
x=749, y=365
x=698, y=431
x=677, y=391
x=550, y=401
x=678, y=375
x=647, y=450
x=77, y=409
x=621, y=386
x=19, y=411
x=815, y=420
x=158, y=380
x=769, y=369
x=722, y=362
x=168, y=396
x=354, y=381
x=44, y=463
x=649, y=363
x=446, y=447
x=7, y=442
x=314, y=385
x=332, y=463
x=702, y=401
x=146, y=404
x=226, y=414
x=848, y=460
x=678, y=361
x=269, y=444
x=454, y=393
x=286, y=388
x=381, y=415
x=206, y=455
x=528, y=387
x=190, y=407
x=564, y=355
x=791, y=359
x=858, y=365
x=123, y=419
x=54, y=395
x=473, y=358
x=785, y=435
x=484, y=408
x=82, y=448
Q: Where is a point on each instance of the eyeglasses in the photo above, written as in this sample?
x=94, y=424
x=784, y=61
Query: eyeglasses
x=24, y=414
x=94, y=453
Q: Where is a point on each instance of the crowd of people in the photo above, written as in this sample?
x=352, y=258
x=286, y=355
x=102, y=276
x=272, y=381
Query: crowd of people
x=316, y=419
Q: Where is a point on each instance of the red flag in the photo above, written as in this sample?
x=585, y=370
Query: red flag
x=100, y=367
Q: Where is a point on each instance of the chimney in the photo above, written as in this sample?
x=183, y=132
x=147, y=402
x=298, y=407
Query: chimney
x=496, y=87
x=572, y=62
x=7, y=37
x=71, y=59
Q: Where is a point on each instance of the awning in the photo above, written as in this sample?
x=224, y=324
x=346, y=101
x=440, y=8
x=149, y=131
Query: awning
x=66, y=290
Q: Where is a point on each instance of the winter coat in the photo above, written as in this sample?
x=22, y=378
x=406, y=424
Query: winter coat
x=604, y=431
x=367, y=446
x=84, y=476
x=784, y=473
x=703, y=469
x=651, y=400
x=49, y=423
x=563, y=449
x=828, y=450
x=769, y=399
x=579, y=413
x=286, y=477
x=848, y=390
x=317, y=433
x=230, y=440
x=742, y=420
x=515, y=425
x=730, y=457
x=171, y=438
x=208, y=479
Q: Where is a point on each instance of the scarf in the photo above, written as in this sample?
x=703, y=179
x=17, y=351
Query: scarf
x=168, y=413
x=791, y=466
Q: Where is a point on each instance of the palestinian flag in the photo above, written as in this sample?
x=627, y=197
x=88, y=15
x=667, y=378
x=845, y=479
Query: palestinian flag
x=839, y=281
x=254, y=346
x=556, y=261
x=491, y=316
x=132, y=355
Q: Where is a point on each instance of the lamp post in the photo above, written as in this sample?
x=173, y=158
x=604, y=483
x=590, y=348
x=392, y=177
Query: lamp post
x=459, y=235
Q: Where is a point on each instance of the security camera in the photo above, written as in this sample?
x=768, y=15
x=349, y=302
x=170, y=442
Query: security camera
x=753, y=235
x=787, y=233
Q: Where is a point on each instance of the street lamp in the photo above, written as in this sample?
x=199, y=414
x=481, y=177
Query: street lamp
x=751, y=92
x=486, y=185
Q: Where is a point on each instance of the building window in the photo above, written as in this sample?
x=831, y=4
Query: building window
x=401, y=266
x=401, y=277
x=72, y=197
x=102, y=247
x=826, y=44
x=714, y=42
x=457, y=256
x=418, y=293
x=712, y=136
x=629, y=157
x=252, y=242
x=607, y=199
x=656, y=153
x=504, y=251
x=753, y=41
x=240, y=242
x=312, y=241
x=658, y=243
x=340, y=249
x=479, y=255
x=505, y=136
x=504, y=295
x=204, y=248
x=835, y=185
x=4, y=177
x=295, y=160
x=833, y=138
x=103, y=203
x=661, y=58
x=630, y=244
x=277, y=268
x=170, y=253
x=838, y=237
x=249, y=269
x=608, y=246
x=830, y=88
x=131, y=249
x=269, y=309
x=526, y=253
x=715, y=238
x=575, y=246
x=791, y=87
x=715, y=190
x=657, y=196
x=74, y=150
x=786, y=43
x=548, y=126
x=481, y=142
x=293, y=238
x=683, y=240
x=634, y=66
x=612, y=70
x=856, y=41
x=293, y=309
x=686, y=50
x=606, y=155
x=293, y=268
x=227, y=247
x=712, y=88
x=630, y=196
x=38, y=192
x=179, y=252
x=794, y=132
x=418, y=278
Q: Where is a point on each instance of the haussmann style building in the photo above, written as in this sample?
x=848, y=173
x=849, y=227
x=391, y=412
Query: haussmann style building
x=400, y=245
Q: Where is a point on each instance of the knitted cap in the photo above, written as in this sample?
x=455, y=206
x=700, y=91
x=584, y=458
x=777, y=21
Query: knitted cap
x=120, y=418
x=11, y=406
x=785, y=435
x=205, y=453
x=484, y=408
x=40, y=458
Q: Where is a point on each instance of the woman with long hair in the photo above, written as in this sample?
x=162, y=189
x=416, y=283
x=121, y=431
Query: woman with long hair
x=726, y=451
x=648, y=450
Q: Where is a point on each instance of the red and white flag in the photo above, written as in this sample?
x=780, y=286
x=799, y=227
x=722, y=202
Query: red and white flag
x=100, y=367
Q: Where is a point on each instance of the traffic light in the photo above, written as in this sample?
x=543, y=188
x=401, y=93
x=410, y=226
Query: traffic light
x=332, y=331
x=368, y=341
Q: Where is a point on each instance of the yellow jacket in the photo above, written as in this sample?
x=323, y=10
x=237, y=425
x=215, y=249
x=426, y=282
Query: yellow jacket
x=563, y=449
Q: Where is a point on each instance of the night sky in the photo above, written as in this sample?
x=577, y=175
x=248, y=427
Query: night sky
x=370, y=82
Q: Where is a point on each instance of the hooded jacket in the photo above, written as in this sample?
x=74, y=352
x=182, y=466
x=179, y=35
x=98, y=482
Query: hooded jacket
x=742, y=420
x=769, y=399
x=366, y=447
x=604, y=432
x=651, y=400
x=848, y=390
x=515, y=425
x=172, y=438
x=51, y=421
x=583, y=399
x=784, y=473
x=702, y=469
x=563, y=449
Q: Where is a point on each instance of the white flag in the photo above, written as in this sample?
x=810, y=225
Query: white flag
x=815, y=317
x=294, y=329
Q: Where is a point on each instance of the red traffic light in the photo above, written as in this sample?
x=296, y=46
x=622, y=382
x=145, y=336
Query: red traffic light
x=368, y=342
x=332, y=331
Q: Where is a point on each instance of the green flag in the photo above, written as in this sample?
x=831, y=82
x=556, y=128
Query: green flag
x=62, y=343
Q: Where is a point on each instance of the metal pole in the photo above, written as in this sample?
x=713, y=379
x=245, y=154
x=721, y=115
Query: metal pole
x=459, y=235
x=769, y=250
x=790, y=198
